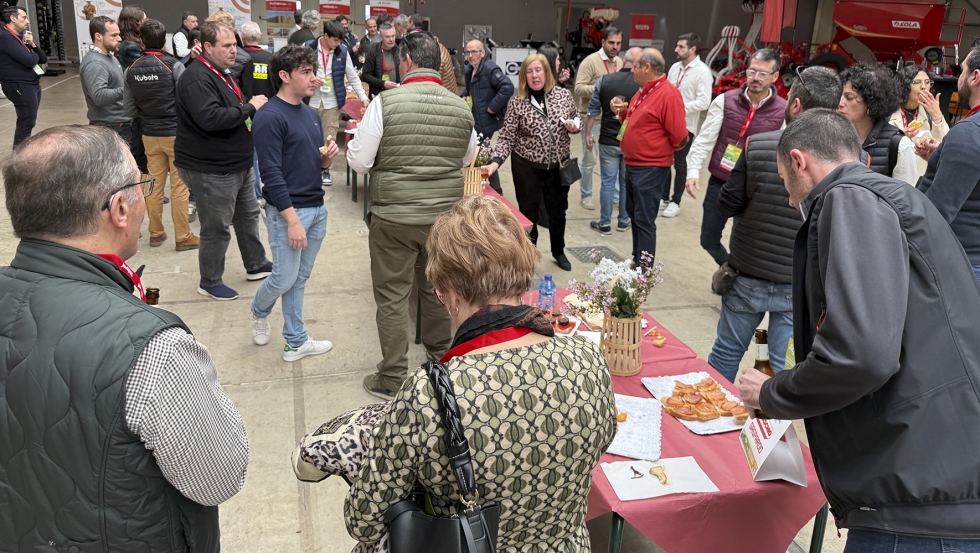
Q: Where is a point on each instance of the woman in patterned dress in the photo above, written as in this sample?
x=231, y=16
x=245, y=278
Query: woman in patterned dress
x=538, y=409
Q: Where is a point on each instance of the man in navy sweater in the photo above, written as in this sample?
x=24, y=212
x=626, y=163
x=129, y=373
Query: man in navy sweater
x=20, y=70
x=290, y=144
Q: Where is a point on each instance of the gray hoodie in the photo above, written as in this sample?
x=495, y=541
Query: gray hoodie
x=103, y=83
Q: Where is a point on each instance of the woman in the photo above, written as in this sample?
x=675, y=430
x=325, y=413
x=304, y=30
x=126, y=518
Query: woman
x=536, y=130
x=511, y=375
x=870, y=96
x=920, y=105
x=554, y=62
x=131, y=47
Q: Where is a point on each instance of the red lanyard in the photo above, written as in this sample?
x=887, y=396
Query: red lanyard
x=19, y=39
x=126, y=270
x=488, y=339
x=680, y=79
x=606, y=65
x=254, y=48
x=423, y=79
x=326, y=58
x=745, y=125
x=905, y=121
x=648, y=90
x=384, y=62
x=972, y=111
x=232, y=85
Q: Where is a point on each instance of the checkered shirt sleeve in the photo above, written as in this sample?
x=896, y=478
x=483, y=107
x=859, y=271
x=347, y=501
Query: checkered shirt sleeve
x=176, y=406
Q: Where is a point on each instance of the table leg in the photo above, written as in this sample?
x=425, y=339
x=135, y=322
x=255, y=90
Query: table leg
x=819, y=528
x=353, y=192
x=616, y=533
x=366, y=185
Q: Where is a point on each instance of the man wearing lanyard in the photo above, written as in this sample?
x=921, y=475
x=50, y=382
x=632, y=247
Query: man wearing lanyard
x=213, y=152
x=693, y=78
x=381, y=71
x=732, y=117
x=333, y=65
x=20, y=70
x=653, y=128
x=603, y=62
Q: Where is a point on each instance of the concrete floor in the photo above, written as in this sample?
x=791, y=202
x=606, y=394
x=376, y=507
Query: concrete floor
x=280, y=402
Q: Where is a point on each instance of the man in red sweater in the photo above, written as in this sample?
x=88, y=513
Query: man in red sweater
x=654, y=127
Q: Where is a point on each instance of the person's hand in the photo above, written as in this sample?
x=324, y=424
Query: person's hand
x=390, y=84
x=617, y=105
x=332, y=150
x=297, y=235
x=750, y=386
x=589, y=142
x=564, y=75
x=925, y=146
x=571, y=125
x=364, y=106
x=692, y=185
x=356, y=47
x=258, y=101
x=931, y=103
x=492, y=168
x=911, y=132
x=490, y=111
x=29, y=38
x=195, y=51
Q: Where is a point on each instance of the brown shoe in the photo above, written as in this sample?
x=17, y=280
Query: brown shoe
x=154, y=242
x=191, y=243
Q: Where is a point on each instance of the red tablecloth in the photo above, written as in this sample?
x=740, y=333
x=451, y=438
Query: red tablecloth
x=353, y=108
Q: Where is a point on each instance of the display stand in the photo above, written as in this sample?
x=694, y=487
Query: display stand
x=47, y=24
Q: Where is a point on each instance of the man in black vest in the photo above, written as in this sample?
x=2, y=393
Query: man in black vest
x=612, y=167
x=762, y=241
x=182, y=38
x=116, y=433
x=885, y=329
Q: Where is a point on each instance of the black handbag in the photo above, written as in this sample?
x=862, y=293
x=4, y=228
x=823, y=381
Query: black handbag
x=568, y=170
x=474, y=529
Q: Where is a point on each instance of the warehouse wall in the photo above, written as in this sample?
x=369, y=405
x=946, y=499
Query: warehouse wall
x=168, y=12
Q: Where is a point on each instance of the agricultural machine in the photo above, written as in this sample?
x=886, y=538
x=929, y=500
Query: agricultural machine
x=588, y=37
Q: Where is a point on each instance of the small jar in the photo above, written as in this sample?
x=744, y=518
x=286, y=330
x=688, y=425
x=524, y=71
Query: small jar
x=153, y=296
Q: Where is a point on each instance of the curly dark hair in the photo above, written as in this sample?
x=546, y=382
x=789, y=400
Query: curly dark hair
x=905, y=77
x=130, y=19
x=878, y=87
x=290, y=58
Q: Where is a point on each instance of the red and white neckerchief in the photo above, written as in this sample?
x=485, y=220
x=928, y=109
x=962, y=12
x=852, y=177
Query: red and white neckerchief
x=486, y=340
x=20, y=40
x=647, y=90
x=126, y=270
x=230, y=84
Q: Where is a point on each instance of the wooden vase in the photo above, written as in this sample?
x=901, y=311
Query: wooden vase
x=472, y=182
x=621, y=341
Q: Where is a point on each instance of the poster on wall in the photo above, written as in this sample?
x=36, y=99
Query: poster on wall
x=87, y=10
x=238, y=8
x=641, y=30
x=279, y=18
x=389, y=7
x=330, y=9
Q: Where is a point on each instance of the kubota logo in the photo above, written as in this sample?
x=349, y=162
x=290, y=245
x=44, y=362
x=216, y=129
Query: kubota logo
x=642, y=27
x=905, y=24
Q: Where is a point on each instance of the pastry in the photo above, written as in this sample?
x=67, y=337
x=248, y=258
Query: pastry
x=716, y=398
x=661, y=474
x=740, y=414
x=705, y=411
x=659, y=342
x=915, y=125
x=681, y=389
x=683, y=413
x=621, y=417
x=563, y=325
x=726, y=407
x=673, y=401
x=693, y=399
x=324, y=150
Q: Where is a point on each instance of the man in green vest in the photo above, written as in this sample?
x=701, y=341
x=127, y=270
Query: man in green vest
x=413, y=140
x=115, y=434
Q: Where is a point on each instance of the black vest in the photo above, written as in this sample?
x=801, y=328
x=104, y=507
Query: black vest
x=187, y=34
x=881, y=146
x=151, y=81
x=620, y=83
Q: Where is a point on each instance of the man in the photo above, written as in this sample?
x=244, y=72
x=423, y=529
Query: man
x=595, y=65
x=350, y=39
x=214, y=153
x=103, y=81
x=952, y=179
x=241, y=55
x=311, y=23
x=446, y=70
x=298, y=18
x=255, y=78
x=653, y=128
x=693, y=78
x=884, y=307
x=151, y=96
x=333, y=66
x=732, y=118
x=20, y=70
x=413, y=138
x=288, y=139
x=401, y=24
x=762, y=241
x=182, y=38
x=371, y=26
x=381, y=68
x=115, y=430
x=612, y=169
x=489, y=91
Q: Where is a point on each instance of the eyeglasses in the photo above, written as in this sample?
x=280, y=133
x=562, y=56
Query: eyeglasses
x=752, y=73
x=926, y=83
x=473, y=52
x=145, y=184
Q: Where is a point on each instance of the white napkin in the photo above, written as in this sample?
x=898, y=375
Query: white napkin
x=684, y=475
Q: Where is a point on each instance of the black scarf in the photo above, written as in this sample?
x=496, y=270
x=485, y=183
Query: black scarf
x=498, y=317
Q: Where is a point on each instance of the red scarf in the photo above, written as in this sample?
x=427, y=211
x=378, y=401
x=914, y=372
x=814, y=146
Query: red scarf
x=423, y=79
x=126, y=270
x=486, y=340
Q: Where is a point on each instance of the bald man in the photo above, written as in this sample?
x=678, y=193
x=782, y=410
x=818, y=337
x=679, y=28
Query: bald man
x=487, y=91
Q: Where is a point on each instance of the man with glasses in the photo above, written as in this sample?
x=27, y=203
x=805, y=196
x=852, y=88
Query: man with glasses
x=732, y=118
x=130, y=416
x=487, y=91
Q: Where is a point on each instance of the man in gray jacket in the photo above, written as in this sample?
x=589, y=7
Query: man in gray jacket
x=103, y=80
x=885, y=323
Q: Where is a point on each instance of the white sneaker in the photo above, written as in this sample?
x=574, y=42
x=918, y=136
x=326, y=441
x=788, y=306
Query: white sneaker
x=672, y=209
x=663, y=205
x=191, y=213
x=310, y=347
x=261, y=330
x=587, y=203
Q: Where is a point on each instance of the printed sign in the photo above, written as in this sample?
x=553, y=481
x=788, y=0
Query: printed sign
x=329, y=9
x=238, y=8
x=379, y=7
x=641, y=30
x=905, y=24
x=87, y=10
x=279, y=18
x=772, y=450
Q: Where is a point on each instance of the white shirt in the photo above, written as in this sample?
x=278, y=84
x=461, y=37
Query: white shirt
x=328, y=100
x=180, y=45
x=695, y=89
x=906, y=167
x=362, y=151
x=704, y=142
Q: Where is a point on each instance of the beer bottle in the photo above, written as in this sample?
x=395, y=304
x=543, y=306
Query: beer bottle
x=762, y=352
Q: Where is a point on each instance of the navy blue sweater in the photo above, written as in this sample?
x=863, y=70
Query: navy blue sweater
x=17, y=61
x=288, y=139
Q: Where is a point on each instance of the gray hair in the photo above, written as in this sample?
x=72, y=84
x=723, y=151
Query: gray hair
x=651, y=57
x=251, y=32
x=767, y=55
x=824, y=134
x=402, y=20
x=58, y=180
x=385, y=27
x=311, y=19
x=630, y=57
x=817, y=87
x=423, y=50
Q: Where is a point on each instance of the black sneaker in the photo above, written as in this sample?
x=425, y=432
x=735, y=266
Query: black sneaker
x=373, y=386
x=259, y=273
x=623, y=227
x=594, y=225
x=563, y=262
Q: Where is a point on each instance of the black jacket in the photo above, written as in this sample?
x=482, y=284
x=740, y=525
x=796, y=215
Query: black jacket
x=152, y=83
x=885, y=308
x=17, y=60
x=881, y=146
x=374, y=68
x=490, y=89
x=242, y=58
x=211, y=133
x=620, y=83
x=762, y=241
x=255, y=78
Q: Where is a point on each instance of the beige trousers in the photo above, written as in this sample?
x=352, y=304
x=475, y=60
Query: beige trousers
x=160, y=162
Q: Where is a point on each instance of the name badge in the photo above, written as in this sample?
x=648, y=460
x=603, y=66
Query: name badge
x=622, y=130
x=248, y=124
x=728, y=160
x=469, y=101
x=386, y=77
x=39, y=70
x=327, y=85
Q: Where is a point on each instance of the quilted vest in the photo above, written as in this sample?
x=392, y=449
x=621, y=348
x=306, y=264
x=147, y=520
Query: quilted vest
x=878, y=143
x=151, y=81
x=72, y=474
x=338, y=70
x=767, y=118
x=427, y=131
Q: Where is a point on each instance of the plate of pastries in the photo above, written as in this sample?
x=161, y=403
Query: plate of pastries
x=699, y=402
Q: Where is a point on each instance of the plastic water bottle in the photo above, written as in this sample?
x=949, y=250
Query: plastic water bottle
x=546, y=293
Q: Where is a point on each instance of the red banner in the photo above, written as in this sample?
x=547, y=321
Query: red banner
x=335, y=7
x=641, y=29
x=389, y=7
x=279, y=6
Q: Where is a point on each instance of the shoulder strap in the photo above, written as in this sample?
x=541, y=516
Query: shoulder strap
x=457, y=447
x=893, y=152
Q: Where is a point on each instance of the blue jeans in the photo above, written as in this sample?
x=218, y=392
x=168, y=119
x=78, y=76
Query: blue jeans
x=742, y=310
x=290, y=269
x=712, y=223
x=867, y=541
x=258, y=180
x=976, y=270
x=588, y=163
x=612, y=169
x=644, y=188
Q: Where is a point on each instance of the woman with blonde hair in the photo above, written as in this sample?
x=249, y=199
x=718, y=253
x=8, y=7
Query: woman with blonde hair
x=538, y=410
x=540, y=117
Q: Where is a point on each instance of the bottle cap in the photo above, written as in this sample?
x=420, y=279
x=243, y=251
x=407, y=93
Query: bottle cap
x=547, y=277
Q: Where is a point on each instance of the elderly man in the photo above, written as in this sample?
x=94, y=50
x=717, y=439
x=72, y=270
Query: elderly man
x=182, y=38
x=105, y=398
x=371, y=36
x=381, y=68
x=102, y=79
x=310, y=23
x=653, y=128
x=412, y=139
x=402, y=25
x=488, y=91
x=884, y=309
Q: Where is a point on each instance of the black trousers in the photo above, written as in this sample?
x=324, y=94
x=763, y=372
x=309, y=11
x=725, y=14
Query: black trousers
x=26, y=97
x=124, y=130
x=533, y=186
x=680, y=169
x=136, y=146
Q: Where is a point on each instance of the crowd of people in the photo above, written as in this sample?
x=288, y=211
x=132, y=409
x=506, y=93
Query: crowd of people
x=856, y=228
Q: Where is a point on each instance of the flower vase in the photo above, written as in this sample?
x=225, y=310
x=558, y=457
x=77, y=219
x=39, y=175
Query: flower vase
x=621, y=341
